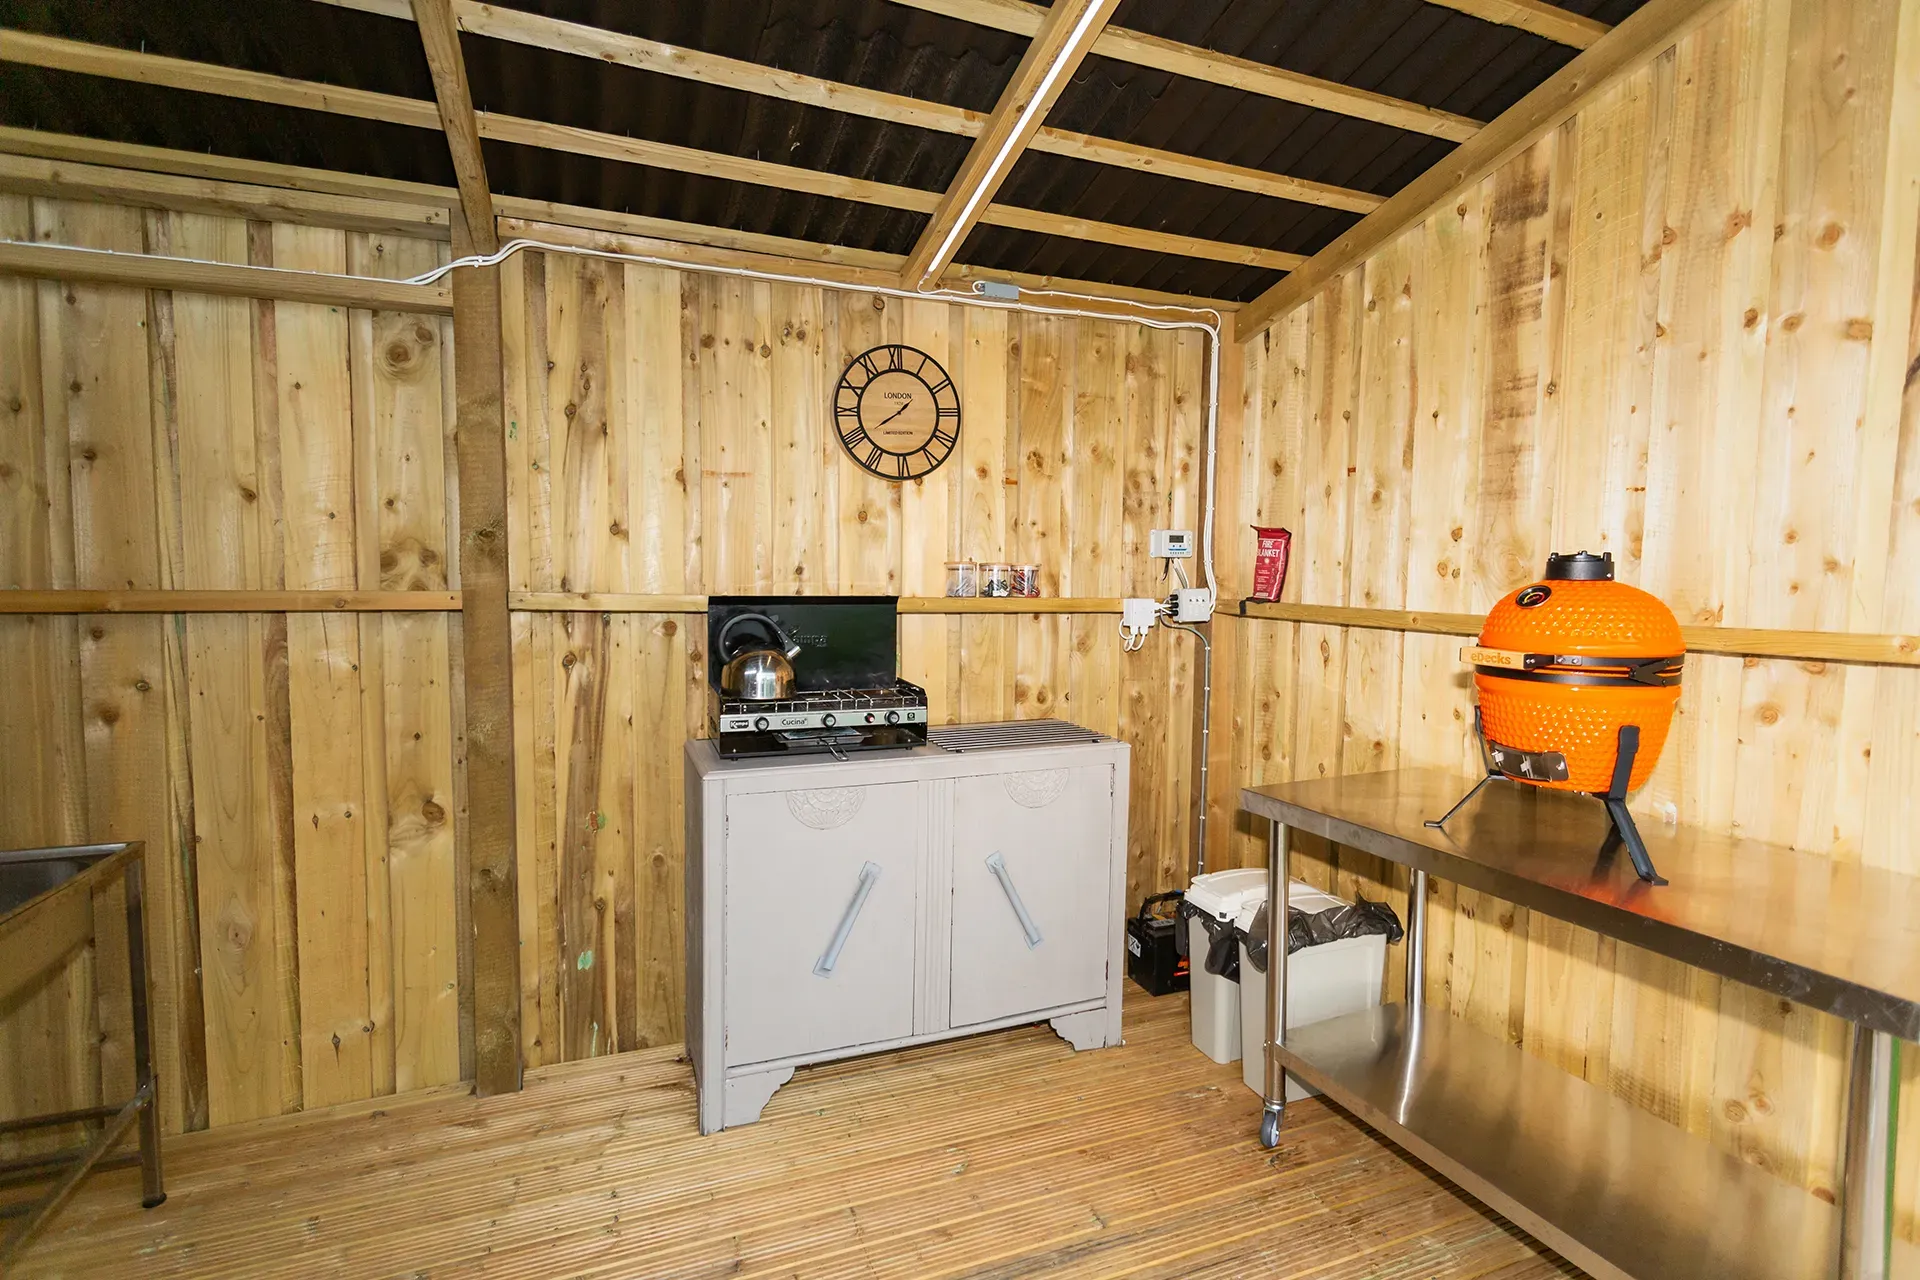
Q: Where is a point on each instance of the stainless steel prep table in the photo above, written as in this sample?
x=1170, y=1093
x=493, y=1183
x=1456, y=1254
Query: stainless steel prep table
x=1614, y=1189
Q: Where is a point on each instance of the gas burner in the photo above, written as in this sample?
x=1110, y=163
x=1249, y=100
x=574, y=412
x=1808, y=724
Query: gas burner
x=885, y=705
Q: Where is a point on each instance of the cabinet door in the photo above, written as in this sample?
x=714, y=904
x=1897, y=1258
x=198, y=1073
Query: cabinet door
x=1030, y=883
x=820, y=919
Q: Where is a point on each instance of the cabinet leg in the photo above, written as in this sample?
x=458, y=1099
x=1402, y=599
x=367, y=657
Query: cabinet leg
x=1084, y=1031
x=1866, y=1190
x=747, y=1095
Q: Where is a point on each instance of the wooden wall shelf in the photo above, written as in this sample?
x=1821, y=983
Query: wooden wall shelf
x=1740, y=642
x=611, y=602
x=30, y=602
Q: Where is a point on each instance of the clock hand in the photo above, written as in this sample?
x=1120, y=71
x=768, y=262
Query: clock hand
x=896, y=413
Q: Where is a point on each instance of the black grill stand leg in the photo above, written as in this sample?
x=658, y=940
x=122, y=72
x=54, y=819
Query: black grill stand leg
x=1480, y=736
x=1615, y=798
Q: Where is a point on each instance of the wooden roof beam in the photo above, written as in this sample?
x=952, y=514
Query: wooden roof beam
x=1548, y=21
x=1062, y=42
x=560, y=36
x=441, y=40
x=126, y=64
x=1626, y=48
x=1175, y=58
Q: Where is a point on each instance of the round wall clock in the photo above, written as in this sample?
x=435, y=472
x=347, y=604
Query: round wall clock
x=896, y=412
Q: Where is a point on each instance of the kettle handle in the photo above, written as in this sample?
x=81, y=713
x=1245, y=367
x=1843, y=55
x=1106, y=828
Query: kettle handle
x=780, y=637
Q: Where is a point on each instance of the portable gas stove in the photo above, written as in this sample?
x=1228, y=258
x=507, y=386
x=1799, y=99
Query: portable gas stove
x=847, y=695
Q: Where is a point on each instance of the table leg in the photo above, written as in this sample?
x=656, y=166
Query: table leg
x=1276, y=1095
x=1416, y=939
x=1866, y=1190
x=152, y=1190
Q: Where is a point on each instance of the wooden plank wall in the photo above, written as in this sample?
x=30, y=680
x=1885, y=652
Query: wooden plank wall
x=1681, y=328
x=667, y=433
x=295, y=777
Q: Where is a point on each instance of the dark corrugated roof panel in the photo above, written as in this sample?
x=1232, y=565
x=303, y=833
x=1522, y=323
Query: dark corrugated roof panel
x=1405, y=48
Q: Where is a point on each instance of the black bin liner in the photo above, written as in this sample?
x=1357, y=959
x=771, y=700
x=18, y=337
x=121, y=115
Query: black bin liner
x=1310, y=930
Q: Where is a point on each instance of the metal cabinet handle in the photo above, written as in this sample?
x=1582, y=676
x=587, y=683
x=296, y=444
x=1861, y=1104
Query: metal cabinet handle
x=824, y=965
x=998, y=865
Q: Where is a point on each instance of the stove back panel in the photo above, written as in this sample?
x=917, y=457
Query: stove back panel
x=846, y=642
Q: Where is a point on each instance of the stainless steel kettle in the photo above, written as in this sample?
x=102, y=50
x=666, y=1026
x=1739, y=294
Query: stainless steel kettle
x=759, y=674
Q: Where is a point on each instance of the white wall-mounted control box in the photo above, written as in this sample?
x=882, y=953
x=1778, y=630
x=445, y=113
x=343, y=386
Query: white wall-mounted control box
x=1192, y=604
x=1171, y=544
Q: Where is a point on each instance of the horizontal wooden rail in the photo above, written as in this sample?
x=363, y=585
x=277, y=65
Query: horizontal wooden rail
x=29, y=602
x=73, y=180
x=1739, y=642
x=152, y=271
x=618, y=602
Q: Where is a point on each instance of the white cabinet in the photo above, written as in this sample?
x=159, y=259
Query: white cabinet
x=843, y=907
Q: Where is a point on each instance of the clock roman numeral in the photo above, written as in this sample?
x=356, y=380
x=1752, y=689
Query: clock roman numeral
x=944, y=438
x=868, y=365
x=874, y=454
x=946, y=384
x=896, y=358
x=950, y=411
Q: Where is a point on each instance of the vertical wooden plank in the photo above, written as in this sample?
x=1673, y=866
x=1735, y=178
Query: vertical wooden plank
x=1043, y=438
x=1377, y=559
x=868, y=507
x=926, y=527
x=660, y=715
x=211, y=437
x=1092, y=540
x=46, y=1053
x=324, y=657
x=94, y=351
x=985, y=642
x=398, y=362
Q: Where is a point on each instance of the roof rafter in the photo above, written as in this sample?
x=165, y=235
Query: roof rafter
x=1044, y=71
x=441, y=39
x=560, y=36
x=1548, y=21
x=1022, y=18
x=146, y=68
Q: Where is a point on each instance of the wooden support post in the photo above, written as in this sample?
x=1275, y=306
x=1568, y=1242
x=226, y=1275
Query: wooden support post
x=493, y=901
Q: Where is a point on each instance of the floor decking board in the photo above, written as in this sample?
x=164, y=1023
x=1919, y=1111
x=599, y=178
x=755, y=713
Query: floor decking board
x=1002, y=1156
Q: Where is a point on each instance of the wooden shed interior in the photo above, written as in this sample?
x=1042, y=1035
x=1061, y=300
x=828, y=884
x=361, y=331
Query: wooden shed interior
x=388, y=386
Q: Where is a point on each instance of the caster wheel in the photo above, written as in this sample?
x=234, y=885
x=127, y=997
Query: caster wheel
x=1270, y=1129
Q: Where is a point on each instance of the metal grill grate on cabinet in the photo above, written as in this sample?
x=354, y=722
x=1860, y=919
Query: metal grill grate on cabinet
x=960, y=738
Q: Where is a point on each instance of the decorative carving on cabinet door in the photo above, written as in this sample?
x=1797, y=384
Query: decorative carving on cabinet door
x=1036, y=788
x=825, y=808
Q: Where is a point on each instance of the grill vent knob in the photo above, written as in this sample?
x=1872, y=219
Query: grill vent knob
x=1581, y=566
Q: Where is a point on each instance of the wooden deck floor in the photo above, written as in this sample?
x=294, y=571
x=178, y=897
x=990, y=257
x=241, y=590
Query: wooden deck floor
x=1005, y=1155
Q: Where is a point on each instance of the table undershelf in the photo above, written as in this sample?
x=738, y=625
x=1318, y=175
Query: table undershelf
x=1616, y=1190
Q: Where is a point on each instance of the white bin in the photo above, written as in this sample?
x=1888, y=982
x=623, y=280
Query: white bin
x=1215, y=1001
x=1342, y=976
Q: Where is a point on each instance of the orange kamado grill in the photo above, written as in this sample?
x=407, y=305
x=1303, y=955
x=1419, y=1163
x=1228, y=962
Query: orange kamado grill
x=1578, y=676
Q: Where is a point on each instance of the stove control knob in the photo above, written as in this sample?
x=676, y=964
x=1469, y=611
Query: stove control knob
x=893, y=717
x=761, y=724
x=869, y=717
x=829, y=720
